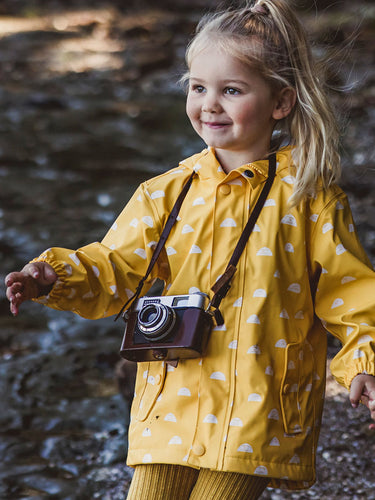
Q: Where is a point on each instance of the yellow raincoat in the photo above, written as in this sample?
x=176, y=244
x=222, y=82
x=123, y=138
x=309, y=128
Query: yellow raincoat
x=253, y=404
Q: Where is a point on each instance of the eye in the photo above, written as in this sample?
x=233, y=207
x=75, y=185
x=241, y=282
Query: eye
x=231, y=91
x=199, y=89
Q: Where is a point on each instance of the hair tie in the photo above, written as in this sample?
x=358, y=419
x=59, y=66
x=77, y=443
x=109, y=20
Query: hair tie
x=258, y=9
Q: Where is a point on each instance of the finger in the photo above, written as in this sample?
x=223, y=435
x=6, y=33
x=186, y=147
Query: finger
x=13, y=290
x=14, y=277
x=356, y=389
x=32, y=270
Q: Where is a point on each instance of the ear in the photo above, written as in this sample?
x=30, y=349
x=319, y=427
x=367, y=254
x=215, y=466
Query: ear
x=285, y=101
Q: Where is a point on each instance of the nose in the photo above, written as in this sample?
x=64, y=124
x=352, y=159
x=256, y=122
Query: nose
x=211, y=103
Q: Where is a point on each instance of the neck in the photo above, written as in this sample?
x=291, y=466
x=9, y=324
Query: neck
x=230, y=160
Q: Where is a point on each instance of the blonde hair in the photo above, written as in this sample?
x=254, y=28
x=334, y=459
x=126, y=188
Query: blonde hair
x=267, y=35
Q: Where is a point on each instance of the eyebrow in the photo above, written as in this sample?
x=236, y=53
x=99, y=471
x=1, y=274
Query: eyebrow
x=224, y=82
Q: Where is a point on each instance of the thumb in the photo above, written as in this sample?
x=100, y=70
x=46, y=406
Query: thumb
x=42, y=272
x=356, y=389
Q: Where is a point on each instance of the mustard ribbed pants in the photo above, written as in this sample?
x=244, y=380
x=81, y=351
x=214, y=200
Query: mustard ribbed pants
x=176, y=482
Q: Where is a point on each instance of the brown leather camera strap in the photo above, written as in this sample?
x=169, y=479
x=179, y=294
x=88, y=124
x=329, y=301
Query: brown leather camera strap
x=222, y=285
x=160, y=244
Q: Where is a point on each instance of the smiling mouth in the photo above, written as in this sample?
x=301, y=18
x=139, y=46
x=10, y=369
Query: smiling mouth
x=216, y=125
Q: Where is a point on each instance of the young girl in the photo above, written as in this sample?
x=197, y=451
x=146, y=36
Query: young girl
x=247, y=414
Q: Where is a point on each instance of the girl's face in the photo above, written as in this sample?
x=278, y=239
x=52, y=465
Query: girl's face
x=231, y=107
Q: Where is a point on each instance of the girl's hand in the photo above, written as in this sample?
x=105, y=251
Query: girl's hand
x=362, y=390
x=34, y=280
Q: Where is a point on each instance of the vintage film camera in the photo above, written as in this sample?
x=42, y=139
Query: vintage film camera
x=166, y=328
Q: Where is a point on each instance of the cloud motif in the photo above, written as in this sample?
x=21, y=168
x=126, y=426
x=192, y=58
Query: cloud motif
x=256, y=229
x=347, y=279
x=351, y=228
x=210, y=419
x=253, y=319
x=254, y=349
x=290, y=220
x=245, y=448
x=147, y=459
x=171, y=251
x=265, y=252
x=238, y=302
x=289, y=248
x=295, y=288
x=148, y=220
x=281, y=343
x=184, y=391
x=219, y=328
x=195, y=249
x=295, y=460
x=269, y=203
x=277, y=274
x=340, y=249
x=364, y=339
x=269, y=370
x=134, y=223
x=289, y=179
x=274, y=442
x=299, y=315
x=273, y=414
x=175, y=440
x=314, y=217
x=339, y=206
x=233, y=344
x=114, y=226
x=358, y=354
x=170, y=418
x=187, y=229
x=157, y=194
x=146, y=432
x=141, y=252
x=199, y=201
x=228, y=223
x=284, y=314
x=236, y=422
x=75, y=259
x=349, y=330
x=261, y=470
x=218, y=376
x=327, y=227
x=337, y=303
x=255, y=397
x=260, y=293
x=68, y=269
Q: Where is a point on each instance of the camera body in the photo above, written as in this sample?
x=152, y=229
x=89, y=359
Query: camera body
x=166, y=328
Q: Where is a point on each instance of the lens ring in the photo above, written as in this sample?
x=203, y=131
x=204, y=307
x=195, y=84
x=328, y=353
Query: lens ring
x=156, y=321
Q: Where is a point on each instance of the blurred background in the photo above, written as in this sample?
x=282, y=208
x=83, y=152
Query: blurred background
x=90, y=106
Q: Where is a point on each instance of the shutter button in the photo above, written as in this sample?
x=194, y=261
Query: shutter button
x=249, y=173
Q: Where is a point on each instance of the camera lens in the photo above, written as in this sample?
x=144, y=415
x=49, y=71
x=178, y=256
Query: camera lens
x=156, y=321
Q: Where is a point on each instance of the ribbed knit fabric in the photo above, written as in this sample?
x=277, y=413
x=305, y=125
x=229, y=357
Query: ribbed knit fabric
x=162, y=482
x=176, y=482
x=212, y=485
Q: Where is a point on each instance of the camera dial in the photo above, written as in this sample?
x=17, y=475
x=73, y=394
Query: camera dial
x=156, y=321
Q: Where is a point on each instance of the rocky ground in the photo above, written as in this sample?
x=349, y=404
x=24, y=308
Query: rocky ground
x=89, y=107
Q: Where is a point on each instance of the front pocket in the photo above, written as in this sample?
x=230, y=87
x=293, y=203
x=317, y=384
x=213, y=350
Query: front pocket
x=149, y=384
x=295, y=393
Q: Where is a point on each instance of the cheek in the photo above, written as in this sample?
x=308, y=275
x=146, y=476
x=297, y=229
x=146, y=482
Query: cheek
x=192, y=110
